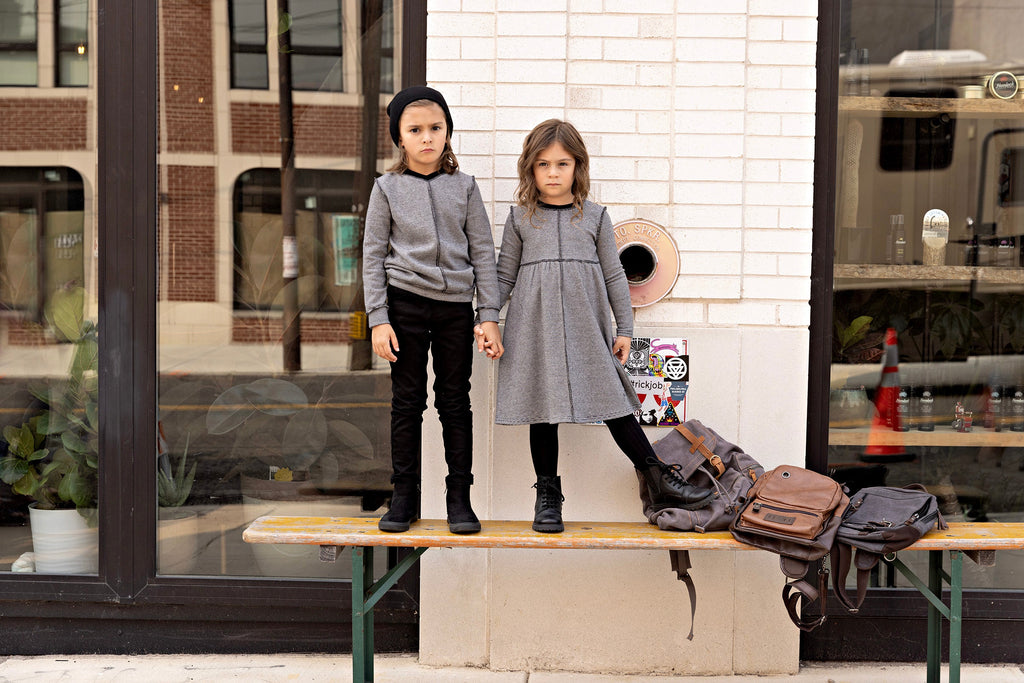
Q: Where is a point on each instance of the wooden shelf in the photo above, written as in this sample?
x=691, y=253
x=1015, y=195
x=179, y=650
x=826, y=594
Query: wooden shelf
x=939, y=274
x=942, y=436
x=987, y=107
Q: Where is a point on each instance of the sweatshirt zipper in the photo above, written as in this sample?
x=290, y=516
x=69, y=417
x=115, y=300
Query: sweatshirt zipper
x=437, y=235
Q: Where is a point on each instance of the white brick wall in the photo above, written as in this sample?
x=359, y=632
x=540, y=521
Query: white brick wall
x=699, y=114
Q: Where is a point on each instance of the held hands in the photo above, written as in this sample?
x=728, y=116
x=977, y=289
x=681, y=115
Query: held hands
x=488, y=339
x=620, y=349
x=384, y=340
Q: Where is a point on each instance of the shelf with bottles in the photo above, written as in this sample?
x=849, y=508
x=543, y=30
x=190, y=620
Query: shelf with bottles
x=943, y=435
x=988, y=107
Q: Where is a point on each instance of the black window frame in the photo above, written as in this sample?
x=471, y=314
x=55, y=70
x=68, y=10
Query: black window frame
x=127, y=608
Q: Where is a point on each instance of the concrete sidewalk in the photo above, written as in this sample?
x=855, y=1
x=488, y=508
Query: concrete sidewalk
x=405, y=669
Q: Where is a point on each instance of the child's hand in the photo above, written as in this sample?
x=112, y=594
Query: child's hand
x=384, y=340
x=488, y=339
x=620, y=349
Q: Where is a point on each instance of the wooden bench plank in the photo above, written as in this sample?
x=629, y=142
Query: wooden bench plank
x=433, y=533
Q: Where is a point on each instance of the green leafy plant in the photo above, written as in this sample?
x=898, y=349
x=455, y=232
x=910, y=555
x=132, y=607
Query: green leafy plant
x=173, y=488
x=855, y=343
x=54, y=456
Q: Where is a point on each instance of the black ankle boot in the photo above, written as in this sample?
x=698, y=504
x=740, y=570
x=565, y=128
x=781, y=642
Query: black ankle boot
x=669, y=490
x=404, y=508
x=461, y=518
x=547, y=511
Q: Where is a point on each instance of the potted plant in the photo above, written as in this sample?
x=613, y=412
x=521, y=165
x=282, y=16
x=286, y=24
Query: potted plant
x=53, y=457
x=177, y=525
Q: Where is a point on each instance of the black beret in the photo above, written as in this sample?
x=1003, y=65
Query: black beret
x=407, y=97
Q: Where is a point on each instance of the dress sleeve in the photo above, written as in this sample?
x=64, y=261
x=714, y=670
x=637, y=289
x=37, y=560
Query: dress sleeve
x=376, y=238
x=509, y=259
x=614, y=277
x=481, y=255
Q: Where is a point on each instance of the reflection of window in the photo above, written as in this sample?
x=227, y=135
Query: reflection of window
x=72, y=42
x=316, y=39
x=248, y=44
x=318, y=52
x=18, y=35
x=387, y=47
x=41, y=235
x=324, y=235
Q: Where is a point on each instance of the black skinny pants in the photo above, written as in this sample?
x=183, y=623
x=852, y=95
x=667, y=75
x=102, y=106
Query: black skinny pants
x=446, y=330
x=626, y=432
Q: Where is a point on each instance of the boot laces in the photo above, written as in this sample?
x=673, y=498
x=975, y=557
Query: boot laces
x=672, y=473
x=549, y=495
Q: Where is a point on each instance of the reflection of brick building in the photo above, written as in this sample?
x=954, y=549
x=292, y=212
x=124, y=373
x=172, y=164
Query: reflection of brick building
x=210, y=134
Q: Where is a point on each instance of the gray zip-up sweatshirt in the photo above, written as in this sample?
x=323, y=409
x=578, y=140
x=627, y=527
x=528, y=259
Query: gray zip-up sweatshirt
x=429, y=235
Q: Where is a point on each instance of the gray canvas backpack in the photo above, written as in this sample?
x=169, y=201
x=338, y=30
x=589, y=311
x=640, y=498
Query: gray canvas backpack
x=880, y=520
x=707, y=460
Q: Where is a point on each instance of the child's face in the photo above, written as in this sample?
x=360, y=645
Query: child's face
x=422, y=132
x=553, y=172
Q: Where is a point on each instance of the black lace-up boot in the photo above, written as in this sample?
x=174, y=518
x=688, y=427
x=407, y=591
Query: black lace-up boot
x=404, y=508
x=547, y=511
x=669, y=490
x=461, y=518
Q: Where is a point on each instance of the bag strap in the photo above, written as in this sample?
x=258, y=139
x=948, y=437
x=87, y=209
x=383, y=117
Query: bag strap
x=681, y=566
x=799, y=594
x=697, y=445
x=840, y=572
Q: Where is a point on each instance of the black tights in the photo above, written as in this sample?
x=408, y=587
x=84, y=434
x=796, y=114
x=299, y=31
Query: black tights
x=626, y=432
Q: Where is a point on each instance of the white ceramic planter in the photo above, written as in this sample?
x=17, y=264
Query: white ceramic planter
x=177, y=540
x=63, y=542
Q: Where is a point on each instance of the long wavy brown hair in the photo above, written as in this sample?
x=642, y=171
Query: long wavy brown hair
x=540, y=138
x=449, y=164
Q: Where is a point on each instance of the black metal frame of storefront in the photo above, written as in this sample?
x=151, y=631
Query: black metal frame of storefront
x=993, y=625
x=127, y=608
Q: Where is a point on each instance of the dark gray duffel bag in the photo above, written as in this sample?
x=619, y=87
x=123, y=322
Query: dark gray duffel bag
x=880, y=520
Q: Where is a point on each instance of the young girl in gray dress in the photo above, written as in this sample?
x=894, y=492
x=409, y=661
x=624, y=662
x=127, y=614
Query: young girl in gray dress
x=560, y=265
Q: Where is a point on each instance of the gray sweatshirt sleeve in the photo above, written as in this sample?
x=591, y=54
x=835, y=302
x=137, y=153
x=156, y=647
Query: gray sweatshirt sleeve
x=614, y=277
x=481, y=255
x=376, y=238
x=508, y=260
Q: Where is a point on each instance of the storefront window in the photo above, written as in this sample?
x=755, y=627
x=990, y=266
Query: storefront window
x=927, y=380
x=253, y=420
x=49, y=408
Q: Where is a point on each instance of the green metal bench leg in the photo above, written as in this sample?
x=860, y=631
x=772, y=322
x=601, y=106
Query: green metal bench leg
x=362, y=615
x=956, y=604
x=934, y=660
x=365, y=594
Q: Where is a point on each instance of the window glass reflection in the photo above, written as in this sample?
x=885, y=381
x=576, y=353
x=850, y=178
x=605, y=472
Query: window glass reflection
x=927, y=359
x=242, y=434
x=49, y=407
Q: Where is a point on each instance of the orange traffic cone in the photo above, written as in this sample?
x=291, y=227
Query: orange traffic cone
x=885, y=442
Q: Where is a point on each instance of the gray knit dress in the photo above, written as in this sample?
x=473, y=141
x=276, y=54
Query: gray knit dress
x=565, y=280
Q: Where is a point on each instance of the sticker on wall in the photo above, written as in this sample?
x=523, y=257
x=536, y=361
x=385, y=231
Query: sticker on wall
x=659, y=369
